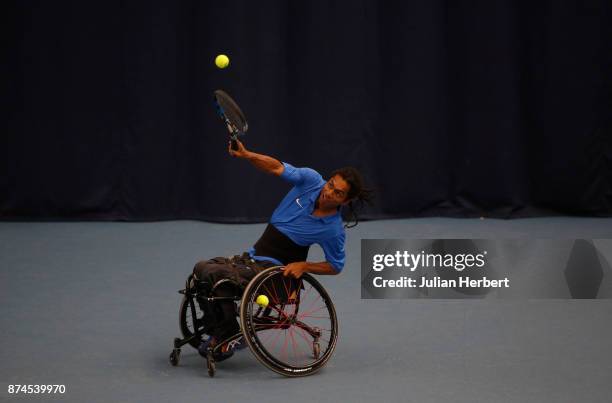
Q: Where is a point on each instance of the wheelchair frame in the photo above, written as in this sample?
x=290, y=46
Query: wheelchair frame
x=252, y=321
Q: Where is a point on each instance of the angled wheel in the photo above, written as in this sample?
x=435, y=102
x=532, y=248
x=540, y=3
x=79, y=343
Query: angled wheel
x=295, y=334
x=175, y=357
x=210, y=365
x=316, y=350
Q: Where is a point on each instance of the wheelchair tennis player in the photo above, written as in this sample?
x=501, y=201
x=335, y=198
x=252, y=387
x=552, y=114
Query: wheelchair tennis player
x=310, y=213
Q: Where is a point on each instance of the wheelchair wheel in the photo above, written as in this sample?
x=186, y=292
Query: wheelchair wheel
x=296, y=333
x=191, y=319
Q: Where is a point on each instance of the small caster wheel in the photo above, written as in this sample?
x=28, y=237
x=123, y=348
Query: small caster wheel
x=210, y=363
x=316, y=350
x=175, y=357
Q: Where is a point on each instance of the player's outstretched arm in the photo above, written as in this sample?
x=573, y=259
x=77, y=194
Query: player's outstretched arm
x=296, y=269
x=263, y=162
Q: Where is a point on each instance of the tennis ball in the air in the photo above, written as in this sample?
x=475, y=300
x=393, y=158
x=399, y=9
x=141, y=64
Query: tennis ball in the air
x=262, y=300
x=222, y=61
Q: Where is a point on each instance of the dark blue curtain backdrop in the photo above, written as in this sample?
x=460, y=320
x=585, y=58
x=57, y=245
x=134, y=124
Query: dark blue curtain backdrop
x=457, y=108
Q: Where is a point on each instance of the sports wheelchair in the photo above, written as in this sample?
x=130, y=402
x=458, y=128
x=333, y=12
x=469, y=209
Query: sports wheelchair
x=292, y=331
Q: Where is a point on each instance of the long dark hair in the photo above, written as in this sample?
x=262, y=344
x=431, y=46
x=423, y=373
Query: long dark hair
x=357, y=191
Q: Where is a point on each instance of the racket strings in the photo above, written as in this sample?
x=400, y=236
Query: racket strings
x=231, y=111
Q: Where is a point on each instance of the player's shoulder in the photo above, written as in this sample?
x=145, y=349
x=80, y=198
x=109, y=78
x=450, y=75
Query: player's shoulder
x=302, y=176
x=312, y=174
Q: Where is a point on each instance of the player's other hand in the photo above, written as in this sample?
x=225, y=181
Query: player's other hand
x=241, y=152
x=294, y=270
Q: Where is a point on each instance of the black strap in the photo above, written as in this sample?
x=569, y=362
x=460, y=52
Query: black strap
x=274, y=243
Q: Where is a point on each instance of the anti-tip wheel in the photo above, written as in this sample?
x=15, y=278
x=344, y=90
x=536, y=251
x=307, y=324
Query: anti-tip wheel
x=175, y=357
x=316, y=350
x=210, y=363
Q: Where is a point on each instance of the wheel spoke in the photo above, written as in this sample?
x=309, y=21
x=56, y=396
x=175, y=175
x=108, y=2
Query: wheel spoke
x=314, y=302
x=273, y=295
x=293, y=342
x=304, y=335
x=307, y=314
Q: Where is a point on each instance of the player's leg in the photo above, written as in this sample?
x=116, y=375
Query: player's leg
x=211, y=272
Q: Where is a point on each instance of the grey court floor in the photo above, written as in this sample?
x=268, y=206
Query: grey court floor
x=94, y=306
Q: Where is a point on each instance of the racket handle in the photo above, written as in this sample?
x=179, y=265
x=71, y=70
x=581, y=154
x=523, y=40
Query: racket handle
x=234, y=145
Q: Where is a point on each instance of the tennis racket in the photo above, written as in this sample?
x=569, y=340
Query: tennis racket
x=232, y=116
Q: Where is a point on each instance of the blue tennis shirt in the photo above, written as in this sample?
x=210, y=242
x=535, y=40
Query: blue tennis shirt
x=293, y=217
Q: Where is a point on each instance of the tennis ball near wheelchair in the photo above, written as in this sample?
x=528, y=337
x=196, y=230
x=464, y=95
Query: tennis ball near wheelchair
x=222, y=61
x=262, y=301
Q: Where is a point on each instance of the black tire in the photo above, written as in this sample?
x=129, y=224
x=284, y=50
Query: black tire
x=175, y=357
x=186, y=322
x=249, y=312
x=210, y=365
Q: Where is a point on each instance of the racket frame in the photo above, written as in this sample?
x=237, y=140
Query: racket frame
x=233, y=130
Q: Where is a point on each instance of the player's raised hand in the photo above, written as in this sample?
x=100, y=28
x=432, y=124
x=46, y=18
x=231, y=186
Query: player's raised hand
x=240, y=151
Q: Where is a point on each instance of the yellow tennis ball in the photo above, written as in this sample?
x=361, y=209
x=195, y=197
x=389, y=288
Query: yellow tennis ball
x=262, y=300
x=222, y=61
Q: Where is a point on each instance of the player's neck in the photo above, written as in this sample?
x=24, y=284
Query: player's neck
x=324, y=213
x=320, y=212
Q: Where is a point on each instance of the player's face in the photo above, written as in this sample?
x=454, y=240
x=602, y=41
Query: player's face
x=334, y=193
